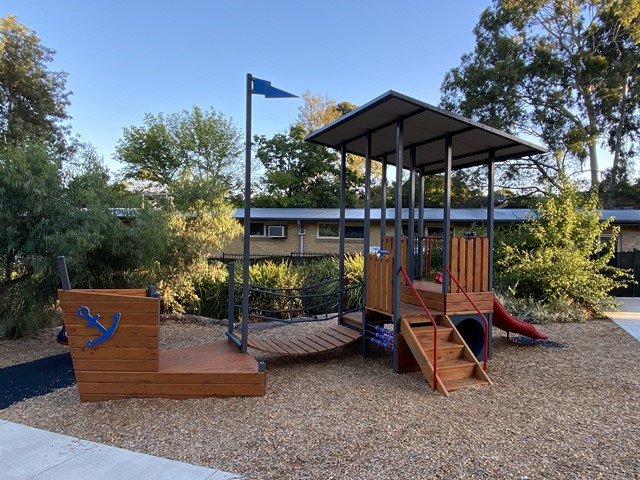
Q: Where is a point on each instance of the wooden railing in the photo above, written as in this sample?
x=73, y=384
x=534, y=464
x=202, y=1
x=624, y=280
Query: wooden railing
x=469, y=262
x=379, y=283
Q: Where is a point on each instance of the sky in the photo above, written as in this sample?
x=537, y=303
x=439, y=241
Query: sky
x=128, y=58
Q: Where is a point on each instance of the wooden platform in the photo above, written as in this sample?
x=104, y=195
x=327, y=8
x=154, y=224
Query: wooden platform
x=130, y=363
x=214, y=369
x=334, y=336
x=446, y=303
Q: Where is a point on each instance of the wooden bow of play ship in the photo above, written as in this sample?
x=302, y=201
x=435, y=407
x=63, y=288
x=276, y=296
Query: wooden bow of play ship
x=129, y=363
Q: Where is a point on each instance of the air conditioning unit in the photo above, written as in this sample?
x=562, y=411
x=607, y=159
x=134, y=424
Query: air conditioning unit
x=277, y=231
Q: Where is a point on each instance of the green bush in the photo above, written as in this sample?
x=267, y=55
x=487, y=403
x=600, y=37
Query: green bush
x=279, y=280
x=557, y=256
x=354, y=275
x=533, y=310
x=212, y=292
x=315, y=280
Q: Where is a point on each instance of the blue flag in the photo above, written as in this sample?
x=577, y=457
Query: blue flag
x=263, y=87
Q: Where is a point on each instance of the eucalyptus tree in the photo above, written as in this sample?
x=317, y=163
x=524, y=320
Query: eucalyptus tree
x=33, y=98
x=564, y=71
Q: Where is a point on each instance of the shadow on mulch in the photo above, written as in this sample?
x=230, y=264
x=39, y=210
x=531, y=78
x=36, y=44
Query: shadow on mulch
x=36, y=378
x=542, y=343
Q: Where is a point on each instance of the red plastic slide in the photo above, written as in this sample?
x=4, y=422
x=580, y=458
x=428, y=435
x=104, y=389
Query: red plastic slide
x=507, y=322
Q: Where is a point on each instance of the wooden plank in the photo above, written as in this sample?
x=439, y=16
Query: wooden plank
x=406, y=361
x=272, y=347
x=467, y=275
x=346, y=331
x=342, y=338
x=122, y=330
x=330, y=339
x=106, y=317
x=254, y=378
x=454, y=260
x=117, y=341
x=105, y=352
x=317, y=348
x=257, y=344
x=301, y=345
x=159, y=389
x=289, y=348
x=115, y=365
x=133, y=292
x=477, y=266
x=485, y=265
x=71, y=300
x=322, y=342
x=101, y=398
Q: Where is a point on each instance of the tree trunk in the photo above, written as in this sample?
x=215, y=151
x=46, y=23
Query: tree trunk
x=613, y=180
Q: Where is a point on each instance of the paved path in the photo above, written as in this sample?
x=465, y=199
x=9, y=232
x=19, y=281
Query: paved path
x=628, y=317
x=28, y=453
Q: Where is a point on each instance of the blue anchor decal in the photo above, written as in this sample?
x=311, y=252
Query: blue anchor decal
x=92, y=321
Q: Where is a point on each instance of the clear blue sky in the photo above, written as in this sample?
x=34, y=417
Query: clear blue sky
x=128, y=58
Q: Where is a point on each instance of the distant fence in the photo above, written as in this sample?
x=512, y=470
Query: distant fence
x=294, y=257
x=630, y=261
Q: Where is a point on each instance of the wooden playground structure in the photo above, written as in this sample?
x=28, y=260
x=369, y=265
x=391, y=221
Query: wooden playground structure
x=427, y=300
x=129, y=363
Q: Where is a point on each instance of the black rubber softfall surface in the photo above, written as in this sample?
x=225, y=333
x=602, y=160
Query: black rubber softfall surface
x=36, y=378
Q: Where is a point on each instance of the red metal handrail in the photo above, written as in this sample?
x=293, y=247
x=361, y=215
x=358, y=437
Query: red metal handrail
x=433, y=322
x=486, y=322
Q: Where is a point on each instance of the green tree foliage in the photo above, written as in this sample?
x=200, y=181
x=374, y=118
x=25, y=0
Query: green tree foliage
x=195, y=154
x=466, y=191
x=297, y=173
x=33, y=99
x=557, y=255
x=45, y=213
x=565, y=71
x=300, y=174
x=111, y=237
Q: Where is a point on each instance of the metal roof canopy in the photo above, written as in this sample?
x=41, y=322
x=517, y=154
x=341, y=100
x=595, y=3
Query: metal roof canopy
x=425, y=128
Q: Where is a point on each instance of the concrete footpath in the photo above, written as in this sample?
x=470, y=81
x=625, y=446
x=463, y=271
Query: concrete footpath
x=28, y=453
x=628, y=317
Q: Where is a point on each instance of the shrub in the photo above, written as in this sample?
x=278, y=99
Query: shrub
x=557, y=257
x=533, y=310
x=354, y=275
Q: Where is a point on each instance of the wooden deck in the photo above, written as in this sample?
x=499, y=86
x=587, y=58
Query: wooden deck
x=130, y=363
x=207, y=370
x=333, y=337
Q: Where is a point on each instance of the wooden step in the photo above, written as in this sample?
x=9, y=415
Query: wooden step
x=446, y=350
x=453, y=385
x=425, y=333
x=353, y=318
x=456, y=370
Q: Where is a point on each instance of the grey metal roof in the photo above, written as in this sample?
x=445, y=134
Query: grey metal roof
x=425, y=128
x=501, y=215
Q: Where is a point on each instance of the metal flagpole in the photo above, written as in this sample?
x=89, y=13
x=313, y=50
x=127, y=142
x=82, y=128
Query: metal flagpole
x=260, y=87
x=247, y=219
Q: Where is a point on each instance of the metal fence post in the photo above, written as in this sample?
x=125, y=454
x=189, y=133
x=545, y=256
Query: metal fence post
x=231, y=310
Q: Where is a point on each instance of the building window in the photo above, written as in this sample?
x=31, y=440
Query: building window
x=257, y=229
x=607, y=243
x=332, y=230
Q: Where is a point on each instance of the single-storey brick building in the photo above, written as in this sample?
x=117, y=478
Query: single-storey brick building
x=290, y=231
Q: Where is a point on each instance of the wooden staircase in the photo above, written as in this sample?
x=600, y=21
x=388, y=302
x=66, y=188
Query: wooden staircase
x=456, y=366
